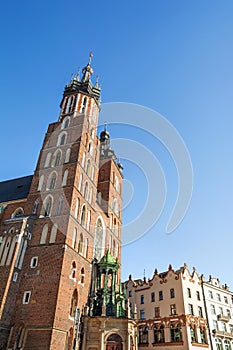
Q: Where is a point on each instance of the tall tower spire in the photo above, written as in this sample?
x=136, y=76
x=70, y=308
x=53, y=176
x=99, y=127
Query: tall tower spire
x=87, y=70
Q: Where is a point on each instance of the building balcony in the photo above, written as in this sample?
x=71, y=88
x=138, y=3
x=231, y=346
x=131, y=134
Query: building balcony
x=224, y=318
x=218, y=333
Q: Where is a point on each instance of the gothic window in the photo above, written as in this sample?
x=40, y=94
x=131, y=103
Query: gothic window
x=159, y=334
x=53, y=234
x=62, y=139
x=90, y=195
x=65, y=177
x=57, y=158
x=67, y=157
x=90, y=148
x=116, y=183
x=80, y=182
x=85, y=192
x=143, y=335
x=99, y=240
x=18, y=213
x=88, y=220
x=47, y=206
x=88, y=169
x=65, y=123
x=74, y=303
x=35, y=207
x=115, y=228
x=82, y=275
x=76, y=208
x=41, y=181
x=73, y=270
x=176, y=333
x=84, y=105
x=80, y=244
x=47, y=160
x=59, y=207
x=86, y=248
x=99, y=197
x=83, y=160
x=83, y=216
x=115, y=207
x=20, y=338
x=51, y=181
x=44, y=234
x=74, y=238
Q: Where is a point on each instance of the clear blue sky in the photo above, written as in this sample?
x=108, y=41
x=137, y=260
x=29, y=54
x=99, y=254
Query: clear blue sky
x=174, y=56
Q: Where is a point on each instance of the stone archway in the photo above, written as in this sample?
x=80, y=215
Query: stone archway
x=114, y=342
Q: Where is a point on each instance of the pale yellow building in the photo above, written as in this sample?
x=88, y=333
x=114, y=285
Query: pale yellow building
x=170, y=310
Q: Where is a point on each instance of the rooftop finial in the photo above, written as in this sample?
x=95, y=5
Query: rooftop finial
x=78, y=75
x=90, y=57
x=97, y=82
x=105, y=126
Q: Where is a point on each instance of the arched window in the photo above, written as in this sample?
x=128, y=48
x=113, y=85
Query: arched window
x=90, y=196
x=99, y=198
x=67, y=157
x=143, y=335
x=84, y=105
x=59, y=207
x=114, y=341
x=65, y=177
x=80, y=182
x=35, y=207
x=73, y=270
x=176, y=333
x=74, y=238
x=86, y=248
x=85, y=192
x=88, y=220
x=83, y=216
x=62, y=139
x=218, y=344
x=90, y=148
x=18, y=213
x=82, y=275
x=47, y=206
x=20, y=337
x=83, y=160
x=88, y=169
x=227, y=345
x=41, y=181
x=53, y=234
x=76, y=208
x=57, y=158
x=159, y=334
x=52, y=181
x=47, y=160
x=193, y=334
x=115, y=228
x=65, y=123
x=44, y=234
x=99, y=240
x=80, y=244
x=116, y=183
x=115, y=206
x=74, y=303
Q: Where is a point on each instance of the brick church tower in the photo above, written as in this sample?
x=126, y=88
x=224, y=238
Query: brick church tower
x=55, y=223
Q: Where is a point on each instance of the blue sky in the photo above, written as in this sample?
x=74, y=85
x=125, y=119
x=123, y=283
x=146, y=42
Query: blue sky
x=173, y=56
